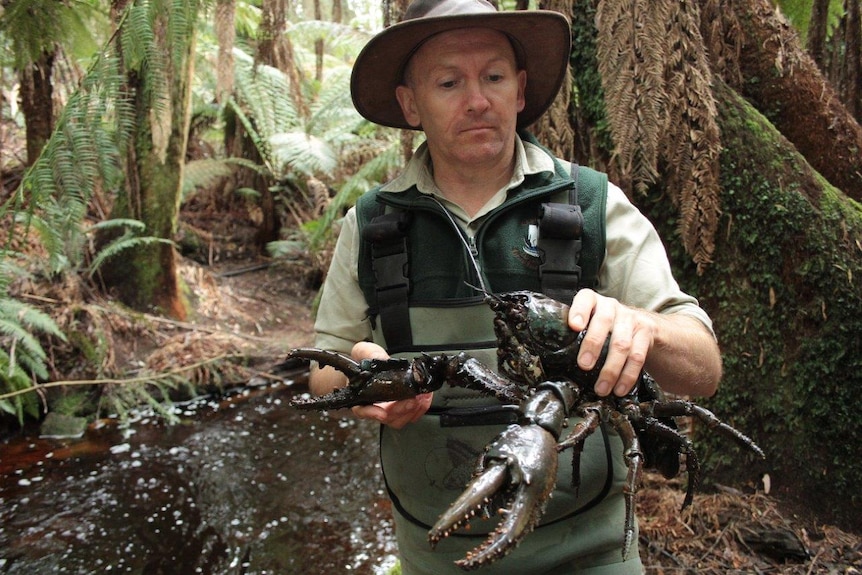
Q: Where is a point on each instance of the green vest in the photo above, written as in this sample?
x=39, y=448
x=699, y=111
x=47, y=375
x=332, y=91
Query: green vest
x=441, y=279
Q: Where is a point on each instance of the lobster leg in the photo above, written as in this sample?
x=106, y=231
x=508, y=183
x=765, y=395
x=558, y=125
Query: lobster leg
x=374, y=380
x=592, y=415
x=634, y=462
x=679, y=407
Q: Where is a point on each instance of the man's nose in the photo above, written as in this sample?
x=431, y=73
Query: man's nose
x=477, y=99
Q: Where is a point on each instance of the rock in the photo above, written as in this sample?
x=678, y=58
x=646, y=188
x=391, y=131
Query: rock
x=60, y=426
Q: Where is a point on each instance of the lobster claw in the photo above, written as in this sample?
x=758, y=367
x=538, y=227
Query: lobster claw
x=520, y=468
x=371, y=380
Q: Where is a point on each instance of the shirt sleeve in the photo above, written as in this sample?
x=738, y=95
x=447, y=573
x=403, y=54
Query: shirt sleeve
x=342, y=317
x=636, y=270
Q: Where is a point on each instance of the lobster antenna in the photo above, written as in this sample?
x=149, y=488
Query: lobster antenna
x=483, y=291
x=467, y=247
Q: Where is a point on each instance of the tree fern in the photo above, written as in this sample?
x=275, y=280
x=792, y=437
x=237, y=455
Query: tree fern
x=82, y=158
x=378, y=161
x=691, y=143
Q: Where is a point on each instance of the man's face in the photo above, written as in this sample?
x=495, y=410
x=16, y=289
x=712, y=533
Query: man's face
x=463, y=88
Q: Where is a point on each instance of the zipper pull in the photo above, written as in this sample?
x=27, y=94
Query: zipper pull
x=474, y=256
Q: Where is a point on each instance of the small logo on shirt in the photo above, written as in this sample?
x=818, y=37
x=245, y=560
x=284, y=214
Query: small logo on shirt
x=531, y=241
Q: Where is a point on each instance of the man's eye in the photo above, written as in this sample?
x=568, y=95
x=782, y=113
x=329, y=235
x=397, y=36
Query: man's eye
x=448, y=84
x=495, y=78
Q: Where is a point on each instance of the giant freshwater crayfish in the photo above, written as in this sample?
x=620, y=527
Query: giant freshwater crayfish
x=538, y=372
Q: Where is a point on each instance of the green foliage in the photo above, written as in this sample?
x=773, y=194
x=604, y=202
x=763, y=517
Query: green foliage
x=122, y=399
x=81, y=156
x=128, y=240
x=21, y=355
x=588, y=95
x=327, y=140
x=799, y=14
x=35, y=27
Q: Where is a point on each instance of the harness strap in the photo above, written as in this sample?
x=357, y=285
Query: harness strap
x=387, y=234
x=559, y=244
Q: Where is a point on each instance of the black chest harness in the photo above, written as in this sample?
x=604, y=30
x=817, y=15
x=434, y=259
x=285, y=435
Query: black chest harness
x=560, y=227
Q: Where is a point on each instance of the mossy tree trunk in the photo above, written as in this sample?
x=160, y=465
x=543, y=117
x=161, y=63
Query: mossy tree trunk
x=785, y=294
x=783, y=283
x=785, y=84
x=146, y=278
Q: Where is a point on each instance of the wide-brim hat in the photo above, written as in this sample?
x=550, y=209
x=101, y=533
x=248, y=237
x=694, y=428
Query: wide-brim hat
x=541, y=40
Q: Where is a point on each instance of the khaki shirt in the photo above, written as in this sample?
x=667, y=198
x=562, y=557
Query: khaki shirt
x=635, y=269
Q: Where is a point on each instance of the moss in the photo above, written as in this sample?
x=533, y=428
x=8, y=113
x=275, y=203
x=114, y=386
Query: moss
x=588, y=94
x=785, y=294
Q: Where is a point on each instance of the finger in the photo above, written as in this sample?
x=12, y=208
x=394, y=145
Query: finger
x=582, y=309
x=395, y=414
x=423, y=403
x=618, y=352
x=409, y=410
x=634, y=365
x=375, y=412
x=368, y=350
x=597, y=332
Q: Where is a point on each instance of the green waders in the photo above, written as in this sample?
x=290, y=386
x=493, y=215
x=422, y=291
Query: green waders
x=426, y=469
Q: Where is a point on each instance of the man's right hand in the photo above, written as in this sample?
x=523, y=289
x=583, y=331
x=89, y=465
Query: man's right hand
x=395, y=414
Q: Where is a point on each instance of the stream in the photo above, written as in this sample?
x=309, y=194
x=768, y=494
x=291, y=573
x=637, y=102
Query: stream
x=244, y=484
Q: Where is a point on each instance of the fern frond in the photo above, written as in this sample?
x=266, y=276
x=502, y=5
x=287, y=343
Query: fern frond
x=303, y=153
x=631, y=53
x=342, y=41
x=29, y=319
x=14, y=378
x=261, y=93
x=32, y=27
x=381, y=162
x=692, y=143
x=203, y=174
x=120, y=244
x=333, y=113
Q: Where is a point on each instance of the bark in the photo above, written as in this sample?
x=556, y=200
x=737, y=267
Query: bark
x=147, y=278
x=318, y=45
x=554, y=129
x=783, y=289
x=852, y=85
x=274, y=50
x=816, y=40
x=785, y=84
x=226, y=35
x=37, y=103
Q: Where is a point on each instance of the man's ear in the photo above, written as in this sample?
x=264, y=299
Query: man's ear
x=522, y=86
x=404, y=95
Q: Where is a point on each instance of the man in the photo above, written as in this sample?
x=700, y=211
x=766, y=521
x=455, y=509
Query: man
x=472, y=78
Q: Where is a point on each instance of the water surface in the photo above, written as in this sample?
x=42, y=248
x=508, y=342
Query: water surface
x=243, y=485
